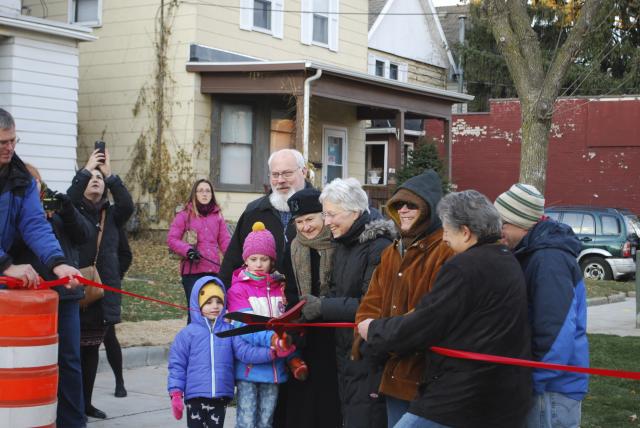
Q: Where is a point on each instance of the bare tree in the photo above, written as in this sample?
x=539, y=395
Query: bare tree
x=537, y=88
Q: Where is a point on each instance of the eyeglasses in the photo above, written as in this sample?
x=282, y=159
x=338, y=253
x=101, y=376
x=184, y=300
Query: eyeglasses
x=203, y=191
x=12, y=142
x=398, y=205
x=331, y=215
x=284, y=174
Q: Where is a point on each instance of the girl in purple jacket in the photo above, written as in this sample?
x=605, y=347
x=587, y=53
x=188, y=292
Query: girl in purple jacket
x=199, y=235
x=201, y=364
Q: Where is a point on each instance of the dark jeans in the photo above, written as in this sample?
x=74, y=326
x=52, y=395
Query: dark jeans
x=187, y=283
x=70, y=399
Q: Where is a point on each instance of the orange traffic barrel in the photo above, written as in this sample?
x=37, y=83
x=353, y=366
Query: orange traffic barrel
x=28, y=358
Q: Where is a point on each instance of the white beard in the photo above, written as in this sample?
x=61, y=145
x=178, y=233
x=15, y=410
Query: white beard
x=279, y=201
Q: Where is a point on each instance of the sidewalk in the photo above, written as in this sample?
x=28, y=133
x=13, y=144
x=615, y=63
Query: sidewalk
x=147, y=404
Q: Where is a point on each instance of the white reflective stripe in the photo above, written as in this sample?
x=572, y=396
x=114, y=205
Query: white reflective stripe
x=34, y=416
x=16, y=357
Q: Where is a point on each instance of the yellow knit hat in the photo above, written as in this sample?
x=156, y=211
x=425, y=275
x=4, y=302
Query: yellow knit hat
x=208, y=291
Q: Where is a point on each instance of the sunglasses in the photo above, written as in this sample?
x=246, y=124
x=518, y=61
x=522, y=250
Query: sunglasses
x=398, y=205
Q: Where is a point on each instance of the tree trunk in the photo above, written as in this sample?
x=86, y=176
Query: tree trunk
x=533, y=153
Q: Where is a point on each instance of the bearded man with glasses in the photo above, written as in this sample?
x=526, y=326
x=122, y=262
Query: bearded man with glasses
x=287, y=172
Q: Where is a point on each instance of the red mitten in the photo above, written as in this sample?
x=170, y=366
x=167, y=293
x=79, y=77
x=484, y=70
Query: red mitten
x=177, y=405
x=299, y=368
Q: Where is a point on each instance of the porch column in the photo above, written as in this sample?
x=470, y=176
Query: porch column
x=400, y=135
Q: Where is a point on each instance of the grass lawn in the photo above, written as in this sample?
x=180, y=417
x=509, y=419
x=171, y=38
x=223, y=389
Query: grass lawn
x=607, y=288
x=613, y=402
x=153, y=274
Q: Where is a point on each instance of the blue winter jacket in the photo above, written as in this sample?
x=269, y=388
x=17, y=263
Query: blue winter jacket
x=557, y=306
x=21, y=214
x=196, y=349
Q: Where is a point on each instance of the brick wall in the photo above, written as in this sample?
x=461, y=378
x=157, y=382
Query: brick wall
x=594, y=151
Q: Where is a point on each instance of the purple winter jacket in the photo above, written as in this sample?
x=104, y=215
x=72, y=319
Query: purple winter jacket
x=213, y=238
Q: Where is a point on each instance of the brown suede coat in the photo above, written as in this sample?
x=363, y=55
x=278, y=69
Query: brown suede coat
x=396, y=287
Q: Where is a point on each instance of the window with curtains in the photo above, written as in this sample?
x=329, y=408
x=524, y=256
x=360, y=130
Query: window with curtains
x=85, y=12
x=262, y=14
x=236, y=143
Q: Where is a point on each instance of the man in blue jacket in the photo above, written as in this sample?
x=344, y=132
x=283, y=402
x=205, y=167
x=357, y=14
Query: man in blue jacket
x=21, y=214
x=547, y=252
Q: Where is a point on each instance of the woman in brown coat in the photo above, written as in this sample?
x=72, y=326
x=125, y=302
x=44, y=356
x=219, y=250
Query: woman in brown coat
x=406, y=272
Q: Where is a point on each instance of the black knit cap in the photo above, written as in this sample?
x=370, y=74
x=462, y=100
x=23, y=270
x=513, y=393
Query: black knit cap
x=305, y=201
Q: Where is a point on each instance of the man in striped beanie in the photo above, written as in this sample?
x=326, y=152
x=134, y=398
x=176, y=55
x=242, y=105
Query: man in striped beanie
x=520, y=207
x=547, y=252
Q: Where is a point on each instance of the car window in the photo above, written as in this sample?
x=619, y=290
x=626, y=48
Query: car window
x=588, y=225
x=610, y=225
x=574, y=220
x=554, y=216
x=633, y=224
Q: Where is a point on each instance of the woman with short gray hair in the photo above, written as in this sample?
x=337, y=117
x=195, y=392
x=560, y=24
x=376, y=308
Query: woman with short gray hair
x=478, y=304
x=360, y=235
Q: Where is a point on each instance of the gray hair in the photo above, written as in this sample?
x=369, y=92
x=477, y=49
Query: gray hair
x=296, y=154
x=6, y=120
x=347, y=193
x=472, y=209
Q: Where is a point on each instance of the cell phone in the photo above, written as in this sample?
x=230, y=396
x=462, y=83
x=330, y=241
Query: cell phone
x=100, y=145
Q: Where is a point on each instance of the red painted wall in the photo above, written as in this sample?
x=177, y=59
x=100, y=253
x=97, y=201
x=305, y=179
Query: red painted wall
x=594, y=151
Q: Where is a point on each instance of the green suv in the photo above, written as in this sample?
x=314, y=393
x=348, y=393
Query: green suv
x=609, y=239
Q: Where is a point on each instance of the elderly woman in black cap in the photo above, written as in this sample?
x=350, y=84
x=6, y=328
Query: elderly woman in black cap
x=308, y=266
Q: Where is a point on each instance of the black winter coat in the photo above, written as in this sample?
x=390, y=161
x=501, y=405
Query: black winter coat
x=72, y=230
x=116, y=217
x=478, y=304
x=258, y=210
x=356, y=256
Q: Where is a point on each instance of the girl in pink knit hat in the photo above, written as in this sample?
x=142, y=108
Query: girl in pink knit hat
x=257, y=289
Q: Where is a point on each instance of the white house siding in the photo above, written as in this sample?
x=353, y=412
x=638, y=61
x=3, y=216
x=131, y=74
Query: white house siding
x=39, y=86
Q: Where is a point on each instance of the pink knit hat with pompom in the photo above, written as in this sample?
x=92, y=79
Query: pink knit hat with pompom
x=259, y=241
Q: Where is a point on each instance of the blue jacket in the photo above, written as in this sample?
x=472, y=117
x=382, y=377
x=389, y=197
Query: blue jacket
x=557, y=306
x=21, y=214
x=196, y=349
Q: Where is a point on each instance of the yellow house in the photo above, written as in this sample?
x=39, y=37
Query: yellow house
x=181, y=89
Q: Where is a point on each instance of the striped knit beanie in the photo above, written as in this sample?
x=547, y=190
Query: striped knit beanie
x=522, y=205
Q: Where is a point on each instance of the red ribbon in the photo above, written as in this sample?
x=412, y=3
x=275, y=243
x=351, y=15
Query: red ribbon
x=622, y=374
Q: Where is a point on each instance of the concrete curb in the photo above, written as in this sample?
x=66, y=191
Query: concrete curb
x=137, y=356
x=614, y=298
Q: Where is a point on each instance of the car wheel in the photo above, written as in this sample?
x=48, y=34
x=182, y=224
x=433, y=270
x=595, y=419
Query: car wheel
x=596, y=268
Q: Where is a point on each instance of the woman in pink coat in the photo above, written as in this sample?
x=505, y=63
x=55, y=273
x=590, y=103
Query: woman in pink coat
x=199, y=235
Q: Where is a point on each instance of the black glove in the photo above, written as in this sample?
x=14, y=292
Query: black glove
x=66, y=207
x=313, y=308
x=193, y=255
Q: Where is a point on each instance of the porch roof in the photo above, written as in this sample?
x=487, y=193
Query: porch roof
x=374, y=96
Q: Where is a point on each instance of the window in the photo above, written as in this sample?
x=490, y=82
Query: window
x=383, y=67
x=265, y=16
x=393, y=71
x=262, y=14
x=582, y=224
x=554, y=216
x=85, y=12
x=319, y=23
x=407, y=149
x=610, y=225
x=236, y=130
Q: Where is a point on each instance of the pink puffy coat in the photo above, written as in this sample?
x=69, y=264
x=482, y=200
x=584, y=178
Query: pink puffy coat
x=213, y=238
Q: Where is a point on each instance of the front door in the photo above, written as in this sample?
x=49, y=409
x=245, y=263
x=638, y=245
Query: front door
x=334, y=154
